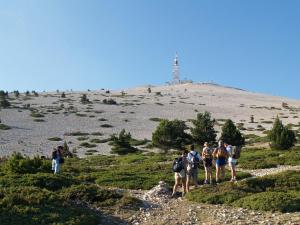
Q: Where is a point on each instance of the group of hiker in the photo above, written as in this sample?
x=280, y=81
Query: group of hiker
x=186, y=166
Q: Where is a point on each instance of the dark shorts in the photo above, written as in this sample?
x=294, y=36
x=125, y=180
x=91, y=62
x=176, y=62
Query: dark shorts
x=207, y=162
x=221, y=162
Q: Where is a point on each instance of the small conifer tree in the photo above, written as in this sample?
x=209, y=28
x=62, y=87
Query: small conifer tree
x=231, y=134
x=280, y=136
x=203, y=130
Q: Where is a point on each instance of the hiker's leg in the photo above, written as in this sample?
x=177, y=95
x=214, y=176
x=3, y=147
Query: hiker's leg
x=57, y=166
x=176, y=184
x=217, y=173
x=206, y=173
x=184, y=184
x=53, y=164
x=210, y=174
x=234, y=171
x=196, y=178
x=223, y=172
x=187, y=183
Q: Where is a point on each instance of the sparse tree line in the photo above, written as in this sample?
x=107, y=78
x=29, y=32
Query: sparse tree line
x=173, y=134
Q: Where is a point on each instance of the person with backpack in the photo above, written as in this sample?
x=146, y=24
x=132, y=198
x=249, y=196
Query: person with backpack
x=207, y=162
x=57, y=159
x=180, y=168
x=233, y=153
x=194, y=159
x=221, y=155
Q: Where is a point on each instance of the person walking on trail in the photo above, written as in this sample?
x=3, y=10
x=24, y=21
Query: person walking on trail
x=221, y=155
x=180, y=169
x=194, y=159
x=57, y=159
x=232, y=161
x=207, y=162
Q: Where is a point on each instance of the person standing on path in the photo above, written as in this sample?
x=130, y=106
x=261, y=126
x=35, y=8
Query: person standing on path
x=221, y=155
x=181, y=176
x=56, y=159
x=192, y=168
x=207, y=162
x=232, y=161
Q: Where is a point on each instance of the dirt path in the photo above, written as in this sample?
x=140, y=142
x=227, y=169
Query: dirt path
x=180, y=211
x=163, y=210
x=270, y=171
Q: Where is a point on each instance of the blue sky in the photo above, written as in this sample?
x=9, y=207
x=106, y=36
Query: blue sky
x=115, y=44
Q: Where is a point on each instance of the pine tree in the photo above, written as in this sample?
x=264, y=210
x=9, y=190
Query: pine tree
x=232, y=135
x=203, y=130
x=170, y=134
x=280, y=136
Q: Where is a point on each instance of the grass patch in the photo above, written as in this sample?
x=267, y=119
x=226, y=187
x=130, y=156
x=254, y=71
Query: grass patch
x=55, y=139
x=77, y=133
x=39, y=120
x=106, y=125
x=4, y=127
x=87, y=145
x=155, y=119
x=36, y=115
x=266, y=158
x=83, y=138
x=279, y=192
x=81, y=114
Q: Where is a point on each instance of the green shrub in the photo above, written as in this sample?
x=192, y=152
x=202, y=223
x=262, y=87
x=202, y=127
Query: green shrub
x=203, y=130
x=270, y=201
x=36, y=114
x=87, y=145
x=34, y=206
x=20, y=164
x=280, y=136
x=106, y=125
x=4, y=127
x=109, y=101
x=84, y=99
x=91, y=194
x=55, y=139
x=231, y=135
x=170, y=134
x=49, y=181
x=121, y=143
x=4, y=103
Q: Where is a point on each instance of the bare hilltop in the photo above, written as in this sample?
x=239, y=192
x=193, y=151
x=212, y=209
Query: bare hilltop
x=38, y=122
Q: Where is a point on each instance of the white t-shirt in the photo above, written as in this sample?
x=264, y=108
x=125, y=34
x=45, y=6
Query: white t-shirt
x=229, y=150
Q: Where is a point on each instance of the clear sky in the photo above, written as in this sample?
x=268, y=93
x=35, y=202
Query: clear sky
x=115, y=44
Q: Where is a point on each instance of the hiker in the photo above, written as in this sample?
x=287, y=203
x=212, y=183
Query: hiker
x=57, y=159
x=207, y=162
x=221, y=155
x=232, y=159
x=192, y=168
x=180, y=168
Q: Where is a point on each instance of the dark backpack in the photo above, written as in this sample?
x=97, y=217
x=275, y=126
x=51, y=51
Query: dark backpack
x=236, y=152
x=178, y=165
x=195, y=162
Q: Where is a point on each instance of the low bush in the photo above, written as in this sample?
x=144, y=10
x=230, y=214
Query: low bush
x=87, y=145
x=36, y=114
x=270, y=201
x=55, y=139
x=280, y=192
x=4, y=127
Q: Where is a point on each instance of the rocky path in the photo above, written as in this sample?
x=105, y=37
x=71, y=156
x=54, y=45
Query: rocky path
x=163, y=210
x=160, y=209
x=270, y=171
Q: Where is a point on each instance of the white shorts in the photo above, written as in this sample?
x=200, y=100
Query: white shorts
x=181, y=174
